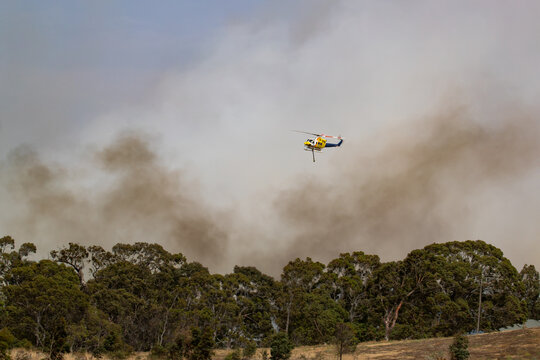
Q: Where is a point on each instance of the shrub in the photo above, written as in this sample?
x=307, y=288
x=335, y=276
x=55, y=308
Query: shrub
x=249, y=350
x=280, y=347
x=344, y=339
x=6, y=342
x=201, y=345
x=459, y=348
x=158, y=352
x=234, y=355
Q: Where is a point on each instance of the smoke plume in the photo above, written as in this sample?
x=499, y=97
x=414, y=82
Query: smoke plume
x=437, y=101
x=424, y=185
x=135, y=199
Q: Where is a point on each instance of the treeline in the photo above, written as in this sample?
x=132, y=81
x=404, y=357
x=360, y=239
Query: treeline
x=140, y=297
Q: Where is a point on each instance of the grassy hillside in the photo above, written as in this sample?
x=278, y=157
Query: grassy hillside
x=515, y=344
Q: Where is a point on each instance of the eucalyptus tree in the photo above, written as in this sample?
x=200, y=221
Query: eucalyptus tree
x=254, y=296
x=74, y=255
x=139, y=287
x=349, y=276
x=10, y=259
x=531, y=282
x=298, y=278
x=480, y=275
x=43, y=299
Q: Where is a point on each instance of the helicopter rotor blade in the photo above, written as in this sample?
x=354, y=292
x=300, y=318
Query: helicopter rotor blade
x=331, y=136
x=321, y=135
x=305, y=132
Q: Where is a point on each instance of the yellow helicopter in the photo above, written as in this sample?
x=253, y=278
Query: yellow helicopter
x=319, y=142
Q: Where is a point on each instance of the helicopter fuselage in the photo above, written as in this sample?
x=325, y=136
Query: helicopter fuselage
x=315, y=144
x=319, y=143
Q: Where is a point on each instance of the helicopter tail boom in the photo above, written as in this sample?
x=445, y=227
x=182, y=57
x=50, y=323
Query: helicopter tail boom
x=335, y=145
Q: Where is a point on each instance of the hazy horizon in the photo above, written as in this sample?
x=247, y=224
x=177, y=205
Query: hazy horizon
x=171, y=124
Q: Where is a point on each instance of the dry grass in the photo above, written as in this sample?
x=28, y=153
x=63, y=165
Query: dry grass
x=517, y=344
x=508, y=345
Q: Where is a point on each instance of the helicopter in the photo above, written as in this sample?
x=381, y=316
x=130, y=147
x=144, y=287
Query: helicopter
x=319, y=142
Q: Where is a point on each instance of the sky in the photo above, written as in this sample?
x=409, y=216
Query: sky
x=171, y=122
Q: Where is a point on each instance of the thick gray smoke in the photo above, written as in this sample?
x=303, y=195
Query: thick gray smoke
x=425, y=185
x=438, y=103
x=135, y=199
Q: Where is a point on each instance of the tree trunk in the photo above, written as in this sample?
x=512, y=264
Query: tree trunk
x=390, y=319
x=479, y=304
x=288, y=314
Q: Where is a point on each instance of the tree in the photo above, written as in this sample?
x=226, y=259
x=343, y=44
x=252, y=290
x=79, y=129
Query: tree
x=75, y=256
x=151, y=256
x=7, y=341
x=249, y=350
x=99, y=259
x=459, y=348
x=43, y=299
x=465, y=284
x=531, y=282
x=392, y=285
x=123, y=291
x=350, y=275
x=280, y=347
x=95, y=334
x=344, y=339
x=6, y=242
x=254, y=294
x=201, y=345
x=298, y=277
x=142, y=297
x=141, y=287
x=8, y=260
x=481, y=276
x=27, y=249
x=316, y=319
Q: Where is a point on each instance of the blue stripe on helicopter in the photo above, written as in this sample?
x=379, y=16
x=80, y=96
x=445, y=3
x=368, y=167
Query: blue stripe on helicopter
x=334, y=145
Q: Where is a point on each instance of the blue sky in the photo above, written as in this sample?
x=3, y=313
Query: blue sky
x=113, y=35
x=109, y=51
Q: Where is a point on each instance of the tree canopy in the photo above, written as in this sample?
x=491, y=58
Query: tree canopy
x=142, y=297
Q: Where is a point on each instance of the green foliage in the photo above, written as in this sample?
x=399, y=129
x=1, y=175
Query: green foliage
x=159, y=352
x=75, y=256
x=27, y=249
x=23, y=344
x=7, y=341
x=4, y=354
x=249, y=350
x=7, y=338
x=280, y=347
x=446, y=298
x=459, y=348
x=531, y=290
x=174, y=350
x=344, y=339
x=233, y=355
x=120, y=354
x=201, y=345
x=349, y=275
x=44, y=298
x=5, y=243
x=141, y=297
x=95, y=334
